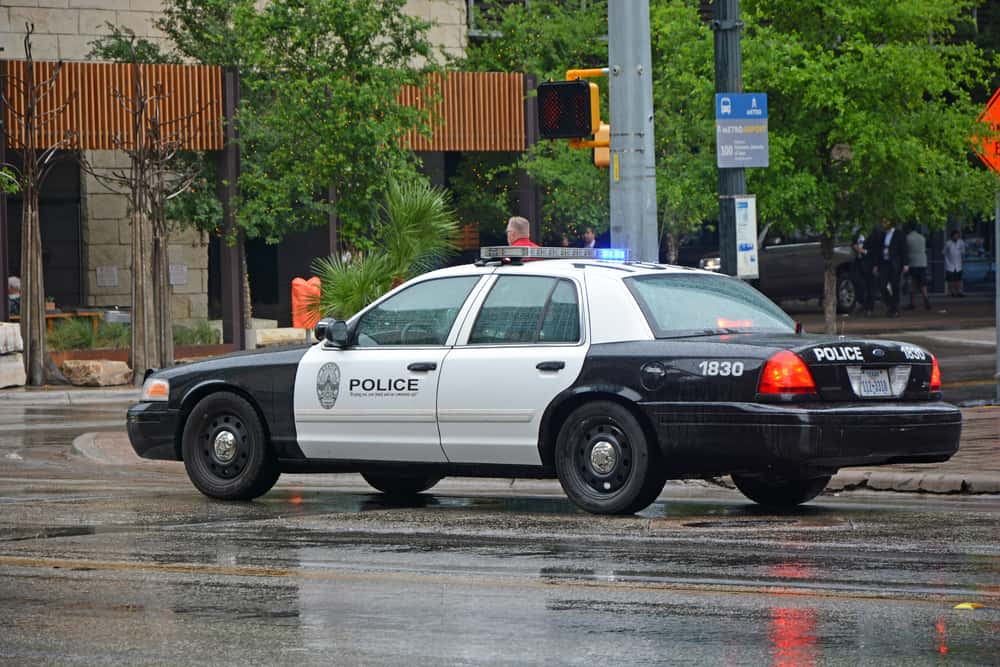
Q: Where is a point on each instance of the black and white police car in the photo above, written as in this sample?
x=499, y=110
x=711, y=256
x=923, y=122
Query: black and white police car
x=612, y=376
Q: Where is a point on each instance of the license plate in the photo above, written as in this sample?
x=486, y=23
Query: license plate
x=874, y=383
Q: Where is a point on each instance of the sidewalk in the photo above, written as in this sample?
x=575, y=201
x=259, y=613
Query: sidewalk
x=973, y=312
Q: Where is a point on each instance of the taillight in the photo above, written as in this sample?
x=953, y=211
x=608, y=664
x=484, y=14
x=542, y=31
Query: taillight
x=935, y=375
x=786, y=373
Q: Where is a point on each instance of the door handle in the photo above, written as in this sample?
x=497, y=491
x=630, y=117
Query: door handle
x=422, y=366
x=551, y=365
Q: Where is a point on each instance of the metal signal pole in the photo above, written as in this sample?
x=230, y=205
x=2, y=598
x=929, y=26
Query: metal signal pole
x=633, y=164
x=728, y=79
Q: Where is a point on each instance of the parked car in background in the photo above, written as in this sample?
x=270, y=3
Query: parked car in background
x=791, y=267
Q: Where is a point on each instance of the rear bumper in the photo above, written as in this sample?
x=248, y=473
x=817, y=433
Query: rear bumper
x=717, y=438
x=152, y=430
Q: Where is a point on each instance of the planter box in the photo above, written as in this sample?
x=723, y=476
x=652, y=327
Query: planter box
x=180, y=352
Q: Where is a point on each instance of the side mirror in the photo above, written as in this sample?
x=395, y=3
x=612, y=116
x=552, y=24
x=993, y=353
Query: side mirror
x=336, y=333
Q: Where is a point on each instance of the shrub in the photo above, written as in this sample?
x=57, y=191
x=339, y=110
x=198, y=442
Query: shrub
x=201, y=334
x=72, y=334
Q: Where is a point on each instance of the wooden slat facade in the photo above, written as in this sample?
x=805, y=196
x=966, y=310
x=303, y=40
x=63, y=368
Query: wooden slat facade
x=472, y=111
x=98, y=117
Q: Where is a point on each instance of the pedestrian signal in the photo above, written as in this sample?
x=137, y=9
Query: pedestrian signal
x=602, y=154
x=568, y=109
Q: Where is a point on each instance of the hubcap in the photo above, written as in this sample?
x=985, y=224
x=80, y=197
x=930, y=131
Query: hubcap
x=603, y=457
x=225, y=446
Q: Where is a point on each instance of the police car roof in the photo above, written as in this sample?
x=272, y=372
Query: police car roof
x=565, y=267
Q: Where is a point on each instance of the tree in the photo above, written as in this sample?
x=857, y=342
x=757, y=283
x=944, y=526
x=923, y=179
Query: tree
x=871, y=116
x=544, y=38
x=320, y=124
x=33, y=115
x=155, y=176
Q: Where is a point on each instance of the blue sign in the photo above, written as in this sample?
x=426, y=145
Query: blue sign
x=741, y=106
x=741, y=130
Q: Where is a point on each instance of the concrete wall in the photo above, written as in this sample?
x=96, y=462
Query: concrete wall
x=64, y=30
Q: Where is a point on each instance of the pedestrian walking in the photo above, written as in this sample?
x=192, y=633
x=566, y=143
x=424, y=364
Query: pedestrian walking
x=861, y=274
x=916, y=257
x=890, y=248
x=954, y=252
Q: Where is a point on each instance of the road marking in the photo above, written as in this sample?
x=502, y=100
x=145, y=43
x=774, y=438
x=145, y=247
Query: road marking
x=610, y=582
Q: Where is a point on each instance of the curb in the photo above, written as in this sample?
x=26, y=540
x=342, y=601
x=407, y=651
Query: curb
x=69, y=396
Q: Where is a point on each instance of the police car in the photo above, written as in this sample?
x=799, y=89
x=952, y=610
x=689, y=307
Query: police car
x=612, y=376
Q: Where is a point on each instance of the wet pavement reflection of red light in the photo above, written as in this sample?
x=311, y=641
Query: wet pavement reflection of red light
x=793, y=636
x=941, y=638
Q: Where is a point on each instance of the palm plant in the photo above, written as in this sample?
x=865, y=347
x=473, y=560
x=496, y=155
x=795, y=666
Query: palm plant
x=416, y=231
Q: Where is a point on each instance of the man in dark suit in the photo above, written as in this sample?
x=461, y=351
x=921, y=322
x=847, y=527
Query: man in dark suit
x=888, y=248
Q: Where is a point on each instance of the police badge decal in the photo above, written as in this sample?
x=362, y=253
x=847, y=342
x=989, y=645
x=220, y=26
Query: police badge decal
x=328, y=385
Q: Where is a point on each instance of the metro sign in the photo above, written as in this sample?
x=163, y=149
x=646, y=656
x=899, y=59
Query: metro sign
x=988, y=148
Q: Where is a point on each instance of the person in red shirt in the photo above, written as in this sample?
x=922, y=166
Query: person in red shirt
x=519, y=232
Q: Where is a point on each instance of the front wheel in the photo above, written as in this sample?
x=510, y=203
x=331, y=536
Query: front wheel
x=225, y=450
x=400, y=485
x=604, y=462
x=780, y=493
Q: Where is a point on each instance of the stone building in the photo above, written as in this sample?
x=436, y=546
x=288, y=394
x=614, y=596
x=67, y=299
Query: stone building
x=86, y=228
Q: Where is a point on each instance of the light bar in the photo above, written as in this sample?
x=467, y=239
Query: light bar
x=527, y=252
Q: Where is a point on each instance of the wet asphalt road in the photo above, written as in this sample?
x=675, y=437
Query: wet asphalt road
x=121, y=564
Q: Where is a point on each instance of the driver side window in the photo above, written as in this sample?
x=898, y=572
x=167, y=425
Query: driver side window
x=419, y=315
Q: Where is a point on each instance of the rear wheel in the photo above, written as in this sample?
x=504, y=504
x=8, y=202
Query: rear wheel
x=780, y=493
x=225, y=449
x=393, y=484
x=604, y=462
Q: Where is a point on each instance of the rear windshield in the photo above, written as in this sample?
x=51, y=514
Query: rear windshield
x=685, y=304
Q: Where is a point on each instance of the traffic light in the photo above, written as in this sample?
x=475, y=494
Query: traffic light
x=602, y=154
x=568, y=109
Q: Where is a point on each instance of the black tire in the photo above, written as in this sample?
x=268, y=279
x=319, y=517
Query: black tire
x=396, y=484
x=248, y=470
x=634, y=478
x=847, y=295
x=780, y=493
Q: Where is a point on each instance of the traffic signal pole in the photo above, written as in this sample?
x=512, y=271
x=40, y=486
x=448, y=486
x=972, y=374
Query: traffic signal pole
x=728, y=79
x=633, y=165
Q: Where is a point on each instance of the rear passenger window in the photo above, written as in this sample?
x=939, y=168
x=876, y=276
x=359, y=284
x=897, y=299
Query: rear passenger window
x=528, y=309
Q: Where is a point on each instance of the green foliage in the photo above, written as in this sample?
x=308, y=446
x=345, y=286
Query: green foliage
x=545, y=38
x=78, y=334
x=8, y=182
x=418, y=228
x=484, y=189
x=201, y=334
x=416, y=231
x=122, y=45
x=348, y=285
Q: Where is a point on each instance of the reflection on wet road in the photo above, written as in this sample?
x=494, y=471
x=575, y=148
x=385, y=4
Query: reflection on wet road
x=127, y=565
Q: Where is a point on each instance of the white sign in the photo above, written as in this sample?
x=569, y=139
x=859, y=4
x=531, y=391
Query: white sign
x=746, y=236
x=178, y=274
x=107, y=276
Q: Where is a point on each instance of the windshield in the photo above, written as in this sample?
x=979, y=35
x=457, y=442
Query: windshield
x=683, y=304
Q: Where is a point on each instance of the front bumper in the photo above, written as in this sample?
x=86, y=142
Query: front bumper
x=816, y=438
x=152, y=430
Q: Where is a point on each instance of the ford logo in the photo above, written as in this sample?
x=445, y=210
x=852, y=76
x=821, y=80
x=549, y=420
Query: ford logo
x=878, y=352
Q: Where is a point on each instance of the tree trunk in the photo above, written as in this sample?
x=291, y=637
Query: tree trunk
x=672, y=248
x=32, y=292
x=164, y=323
x=144, y=337
x=245, y=284
x=829, y=286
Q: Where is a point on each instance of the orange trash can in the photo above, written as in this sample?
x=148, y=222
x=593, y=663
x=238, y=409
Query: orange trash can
x=304, y=292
